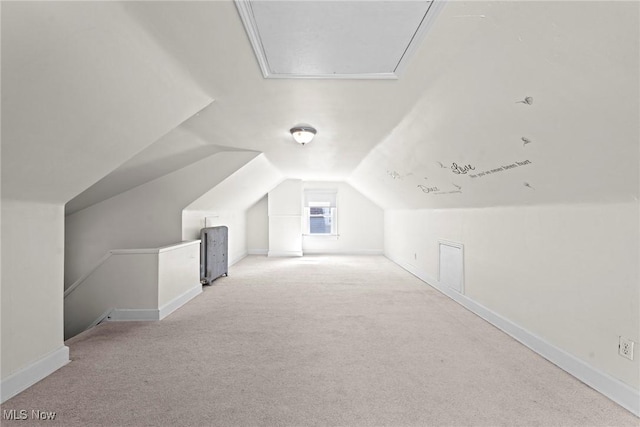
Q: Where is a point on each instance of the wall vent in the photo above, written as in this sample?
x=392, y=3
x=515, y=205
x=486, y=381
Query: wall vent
x=451, y=266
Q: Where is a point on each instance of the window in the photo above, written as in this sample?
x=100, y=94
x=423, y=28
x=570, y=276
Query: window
x=320, y=218
x=320, y=212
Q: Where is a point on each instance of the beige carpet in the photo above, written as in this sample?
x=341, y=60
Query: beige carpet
x=322, y=340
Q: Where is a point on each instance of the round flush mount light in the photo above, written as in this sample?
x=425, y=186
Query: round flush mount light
x=303, y=134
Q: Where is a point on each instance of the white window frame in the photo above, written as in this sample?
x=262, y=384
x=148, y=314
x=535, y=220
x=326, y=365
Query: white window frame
x=332, y=215
x=318, y=202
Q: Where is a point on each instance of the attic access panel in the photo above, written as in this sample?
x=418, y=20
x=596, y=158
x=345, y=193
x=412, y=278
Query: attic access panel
x=335, y=39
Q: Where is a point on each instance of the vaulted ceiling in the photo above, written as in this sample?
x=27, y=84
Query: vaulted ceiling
x=99, y=97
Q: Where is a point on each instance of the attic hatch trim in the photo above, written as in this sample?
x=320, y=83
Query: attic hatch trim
x=250, y=25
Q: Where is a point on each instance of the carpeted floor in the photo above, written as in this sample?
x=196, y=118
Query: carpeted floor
x=318, y=340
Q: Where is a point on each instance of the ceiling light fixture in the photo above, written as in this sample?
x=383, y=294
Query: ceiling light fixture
x=303, y=134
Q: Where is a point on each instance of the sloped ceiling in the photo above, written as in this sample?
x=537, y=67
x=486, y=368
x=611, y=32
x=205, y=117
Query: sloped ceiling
x=87, y=86
x=240, y=190
x=84, y=88
x=474, y=140
x=251, y=112
x=175, y=150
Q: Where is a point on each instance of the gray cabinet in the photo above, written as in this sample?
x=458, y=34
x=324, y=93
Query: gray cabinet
x=214, y=244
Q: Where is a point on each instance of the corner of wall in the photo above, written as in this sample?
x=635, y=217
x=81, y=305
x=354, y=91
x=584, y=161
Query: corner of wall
x=32, y=373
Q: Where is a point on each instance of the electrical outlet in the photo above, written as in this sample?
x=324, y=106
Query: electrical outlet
x=625, y=348
x=415, y=256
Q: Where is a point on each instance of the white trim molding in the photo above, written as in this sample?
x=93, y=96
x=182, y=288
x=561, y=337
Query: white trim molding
x=178, y=245
x=179, y=301
x=133, y=314
x=148, y=314
x=258, y=251
x=82, y=278
x=621, y=393
x=31, y=374
x=237, y=259
x=344, y=252
x=285, y=253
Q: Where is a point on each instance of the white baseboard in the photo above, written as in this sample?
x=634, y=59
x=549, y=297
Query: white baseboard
x=31, y=374
x=238, y=259
x=151, y=314
x=133, y=314
x=258, y=251
x=179, y=301
x=285, y=253
x=344, y=252
x=621, y=393
x=104, y=316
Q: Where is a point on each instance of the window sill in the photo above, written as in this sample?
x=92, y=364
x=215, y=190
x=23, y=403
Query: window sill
x=322, y=236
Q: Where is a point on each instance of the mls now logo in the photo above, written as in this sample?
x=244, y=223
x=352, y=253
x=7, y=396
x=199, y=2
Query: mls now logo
x=23, y=414
x=14, y=414
x=42, y=415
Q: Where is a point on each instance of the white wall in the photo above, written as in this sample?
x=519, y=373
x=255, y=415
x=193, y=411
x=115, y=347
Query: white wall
x=32, y=315
x=285, y=219
x=258, y=227
x=566, y=273
x=193, y=221
x=123, y=281
x=360, y=223
x=146, y=216
x=228, y=203
x=178, y=272
x=276, y=221
x=134, y=284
